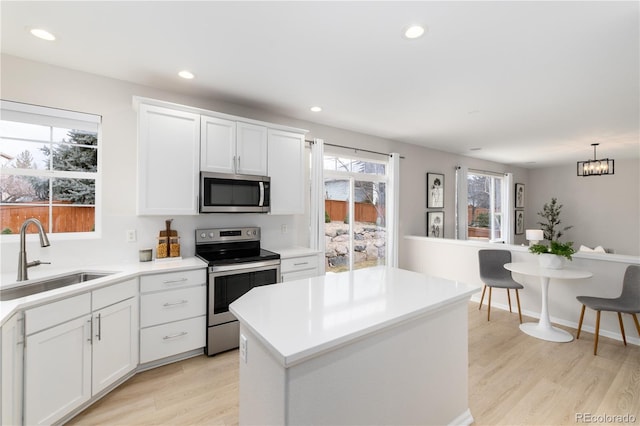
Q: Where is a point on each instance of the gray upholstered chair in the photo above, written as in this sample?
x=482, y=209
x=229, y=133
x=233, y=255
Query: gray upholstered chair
x=628, y=302
x=493, y=274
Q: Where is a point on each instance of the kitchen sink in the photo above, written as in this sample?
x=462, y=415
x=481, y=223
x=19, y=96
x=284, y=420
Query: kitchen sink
x=46, y=284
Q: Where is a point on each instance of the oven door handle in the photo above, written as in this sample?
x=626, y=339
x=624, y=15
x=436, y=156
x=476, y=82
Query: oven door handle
x=261, y=202
x=244, y=267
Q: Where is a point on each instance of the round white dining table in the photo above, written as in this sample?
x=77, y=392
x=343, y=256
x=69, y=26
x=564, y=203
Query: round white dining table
x=543, y=328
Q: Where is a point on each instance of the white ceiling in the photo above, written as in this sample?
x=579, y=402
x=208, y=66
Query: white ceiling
x=530, y=83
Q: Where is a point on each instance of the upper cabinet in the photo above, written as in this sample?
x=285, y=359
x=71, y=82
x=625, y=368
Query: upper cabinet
x=232, y=147
x=286, y=169
x=168, y=161
x=176, y=142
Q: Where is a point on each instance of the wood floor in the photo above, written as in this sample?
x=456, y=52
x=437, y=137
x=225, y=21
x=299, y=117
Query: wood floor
x=514, y=379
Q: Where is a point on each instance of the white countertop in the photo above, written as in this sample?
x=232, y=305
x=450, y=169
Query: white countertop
x=121, y=273
x=289, y=252
x=300, y=319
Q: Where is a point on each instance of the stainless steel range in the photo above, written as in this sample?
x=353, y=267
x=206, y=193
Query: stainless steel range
x=236, y=265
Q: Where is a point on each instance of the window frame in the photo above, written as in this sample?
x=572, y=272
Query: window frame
x=502, y=216
x=57, y=118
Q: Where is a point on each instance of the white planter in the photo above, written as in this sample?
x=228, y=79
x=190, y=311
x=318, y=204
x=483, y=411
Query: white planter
x=551, y=261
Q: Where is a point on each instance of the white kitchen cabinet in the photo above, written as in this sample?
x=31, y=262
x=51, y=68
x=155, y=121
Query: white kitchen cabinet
x=115, y=343
x=11, y=370
x=228, y=146
x=299, y=267
x=168, y=161
x=57, y=370
x=286, y=169
x=172, y=314
x=72, y=352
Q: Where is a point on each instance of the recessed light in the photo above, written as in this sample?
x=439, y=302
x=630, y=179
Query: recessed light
x=316, y=108
x=186, y=74
x=413, y=32
x=43, y=34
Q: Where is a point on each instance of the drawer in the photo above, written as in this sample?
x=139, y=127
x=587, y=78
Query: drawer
x=55, y=313
x=172, y=305
x=299, y=263
x=299, y=275
x=114, y=293
x=170, y=339
x=171, y=280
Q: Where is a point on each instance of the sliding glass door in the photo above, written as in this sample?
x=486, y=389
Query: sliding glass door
x=355, y=213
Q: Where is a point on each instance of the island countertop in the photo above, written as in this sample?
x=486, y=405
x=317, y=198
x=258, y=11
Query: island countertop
x=301, y=319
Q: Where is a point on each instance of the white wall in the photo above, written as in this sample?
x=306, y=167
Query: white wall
x=604, y=210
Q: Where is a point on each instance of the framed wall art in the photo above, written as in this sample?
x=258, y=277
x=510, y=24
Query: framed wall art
x=519, y=196
x=519, y=222
x=435, y=191
x=435, y=224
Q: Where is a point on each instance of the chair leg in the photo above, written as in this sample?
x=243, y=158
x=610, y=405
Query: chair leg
x=580, y=322
x=624, y=338
x=519, y=311
x=489, y=306
x=635, y=319
x=509, y=298
x=482, y=297
x=595, y=344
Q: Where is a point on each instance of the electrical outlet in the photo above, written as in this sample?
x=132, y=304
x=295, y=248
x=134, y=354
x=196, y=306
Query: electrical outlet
x=131, y=236
x=243, y=348
x=283, y=228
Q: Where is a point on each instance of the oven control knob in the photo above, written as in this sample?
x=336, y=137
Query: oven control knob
x=210, y=234
x=203, y=235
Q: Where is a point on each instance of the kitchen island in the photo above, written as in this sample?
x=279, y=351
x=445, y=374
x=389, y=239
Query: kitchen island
x=373, y=346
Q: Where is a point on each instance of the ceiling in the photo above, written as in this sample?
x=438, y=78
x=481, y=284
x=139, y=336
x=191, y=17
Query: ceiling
x=526, y=83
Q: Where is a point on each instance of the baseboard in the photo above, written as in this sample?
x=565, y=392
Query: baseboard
x=463, y=419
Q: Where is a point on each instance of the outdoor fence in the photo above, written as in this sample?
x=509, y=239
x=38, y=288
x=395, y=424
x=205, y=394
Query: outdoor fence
x=65, y=218
x=363, y=212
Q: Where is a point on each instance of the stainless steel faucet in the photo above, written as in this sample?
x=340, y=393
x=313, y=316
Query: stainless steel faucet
x=22, y=259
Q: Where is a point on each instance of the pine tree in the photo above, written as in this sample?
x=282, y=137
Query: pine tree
x=74, y=155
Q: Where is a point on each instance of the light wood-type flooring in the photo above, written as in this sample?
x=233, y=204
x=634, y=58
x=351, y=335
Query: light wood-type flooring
x=514, y=379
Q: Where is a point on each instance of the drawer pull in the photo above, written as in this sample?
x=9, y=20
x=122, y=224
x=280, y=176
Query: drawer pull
x=175, y=336
x=181, y=280
x=301, y=263
x=170, y=304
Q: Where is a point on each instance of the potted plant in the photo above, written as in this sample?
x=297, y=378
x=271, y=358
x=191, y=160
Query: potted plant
x=552, y=256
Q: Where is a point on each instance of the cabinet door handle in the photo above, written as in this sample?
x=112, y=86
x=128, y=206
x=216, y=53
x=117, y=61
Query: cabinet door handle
x=235, y=164
x=170, y=304
x=175, y=336
x=181, y=280
x=90, y=325
x=99, y=335
x=238, y=168
x=301, y=263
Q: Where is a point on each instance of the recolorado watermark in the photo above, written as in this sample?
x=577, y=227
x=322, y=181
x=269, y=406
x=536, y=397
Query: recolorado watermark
x=605, y=418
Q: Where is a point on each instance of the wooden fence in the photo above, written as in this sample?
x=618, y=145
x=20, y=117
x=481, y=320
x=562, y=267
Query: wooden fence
x=65, y=218
x=364, y=212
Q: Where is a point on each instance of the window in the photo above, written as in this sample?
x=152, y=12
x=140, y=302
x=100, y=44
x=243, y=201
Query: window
x=484, y=207
x=355, y=212
x=49, y=168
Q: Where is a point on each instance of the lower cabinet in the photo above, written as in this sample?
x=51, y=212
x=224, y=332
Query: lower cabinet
x=77, y=347
x=12, y=344
x=296, y=267
x=172, y=314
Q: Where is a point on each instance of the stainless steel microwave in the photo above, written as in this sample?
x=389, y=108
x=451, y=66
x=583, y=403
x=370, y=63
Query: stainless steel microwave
x=229, y=193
